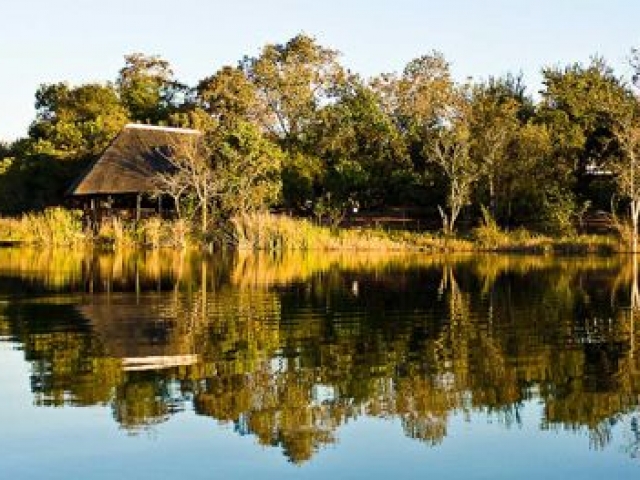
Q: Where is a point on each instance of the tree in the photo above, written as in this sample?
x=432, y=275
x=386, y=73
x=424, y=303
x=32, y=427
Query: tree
x=420, y=101
x=148, y=89
x=627, y=170
x=223, y=172
x=581, y=106
x=73, y=125
x=250, y=165
x=626, y=166
x=421, y=96
x=229, y=96
x=360, y=148
x=494, y=123
x=293, y=81
x=451, y=152
x=73, y=122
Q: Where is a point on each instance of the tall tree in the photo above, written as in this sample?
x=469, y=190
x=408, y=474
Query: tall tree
x=148, y=89
x=420, y=97
x=581, y=106
x=293, y=81
x=450, y=151
x=420, y=101
x=627, y=170
x=72, y=122
x=361, y=150
x=229, y=96
x=626, y=166
x=494, y=122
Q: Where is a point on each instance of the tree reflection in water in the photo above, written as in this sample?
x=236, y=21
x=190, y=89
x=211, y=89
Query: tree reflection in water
x=288, y=349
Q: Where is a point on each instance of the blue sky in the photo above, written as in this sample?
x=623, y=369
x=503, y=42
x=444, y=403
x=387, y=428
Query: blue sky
x=45, y=41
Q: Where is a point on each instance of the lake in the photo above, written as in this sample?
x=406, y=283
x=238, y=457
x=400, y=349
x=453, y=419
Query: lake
x=178, y=365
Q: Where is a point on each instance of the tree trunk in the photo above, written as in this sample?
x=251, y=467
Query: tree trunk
x=446, y=226
x=635, y=211
x=635, y=304
x=205, y=209
x=204, y=219
x=492, y=197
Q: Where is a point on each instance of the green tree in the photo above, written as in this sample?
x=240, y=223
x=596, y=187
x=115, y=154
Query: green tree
x=293, y=82
x=493, y=126
x=581, y=106
x=626, y=169
x=229, y=96
x=72, y=126
x=420, y=97
x=450, y=151
x=361, y=150
x=148, y=89
x=420, y=101
x=73, y=122
x=226, y=171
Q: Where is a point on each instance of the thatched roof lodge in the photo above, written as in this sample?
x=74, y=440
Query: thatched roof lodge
x=123, y=177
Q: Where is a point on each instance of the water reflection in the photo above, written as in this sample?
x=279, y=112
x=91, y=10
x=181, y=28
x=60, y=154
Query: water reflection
x=288, y=349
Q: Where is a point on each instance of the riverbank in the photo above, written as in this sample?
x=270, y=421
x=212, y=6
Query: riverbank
x=268, y=232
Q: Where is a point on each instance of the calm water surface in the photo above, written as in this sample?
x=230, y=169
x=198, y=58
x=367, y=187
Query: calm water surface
x=165, y=365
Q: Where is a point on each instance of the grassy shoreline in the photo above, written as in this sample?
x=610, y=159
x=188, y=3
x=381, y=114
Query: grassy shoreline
x=266, y=232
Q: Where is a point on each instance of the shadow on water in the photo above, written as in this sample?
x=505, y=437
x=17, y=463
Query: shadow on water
x=289, y=348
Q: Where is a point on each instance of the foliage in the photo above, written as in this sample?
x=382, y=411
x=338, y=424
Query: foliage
x=293, y=80
x=226, y=170
x=292, y=128
x=450, y=152
x=229, y=96
x=148, y=90
x=72, y=122
x=361, y=150
x=493, y=126
x=581, y=105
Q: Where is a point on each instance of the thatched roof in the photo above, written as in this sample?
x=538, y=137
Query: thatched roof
x=131, y=161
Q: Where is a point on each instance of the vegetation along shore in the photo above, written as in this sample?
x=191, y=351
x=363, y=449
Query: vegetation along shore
x=290, y=150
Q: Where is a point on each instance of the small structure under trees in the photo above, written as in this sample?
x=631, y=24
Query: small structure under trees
x=123, y=181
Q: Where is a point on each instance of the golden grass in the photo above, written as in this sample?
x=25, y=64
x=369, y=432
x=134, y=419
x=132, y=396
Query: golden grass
x=268, y=232
x=54, y=227
x=282, y=233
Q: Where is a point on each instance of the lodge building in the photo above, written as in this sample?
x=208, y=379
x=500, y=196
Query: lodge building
x=122, y=182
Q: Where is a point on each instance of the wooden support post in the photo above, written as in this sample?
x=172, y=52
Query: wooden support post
x=94, y=216
x=160, y=206
x=138, y=202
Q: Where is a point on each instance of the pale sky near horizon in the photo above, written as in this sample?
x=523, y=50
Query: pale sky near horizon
x=79, y=41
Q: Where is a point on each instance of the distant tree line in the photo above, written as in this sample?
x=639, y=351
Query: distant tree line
x=328, y=140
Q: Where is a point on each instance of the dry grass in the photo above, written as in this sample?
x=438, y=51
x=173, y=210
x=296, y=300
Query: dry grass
x=283, y=233
x=53, y=227
x=149, y=233
x=268, y=232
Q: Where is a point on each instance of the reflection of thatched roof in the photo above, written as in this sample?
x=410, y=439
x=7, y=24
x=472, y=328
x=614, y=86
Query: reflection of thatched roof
x=138, y=328
x=129, y=164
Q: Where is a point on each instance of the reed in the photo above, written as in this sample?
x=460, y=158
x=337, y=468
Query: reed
x=270, y=232
x=263, y=231
x=150, y=233
x=53, y=227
